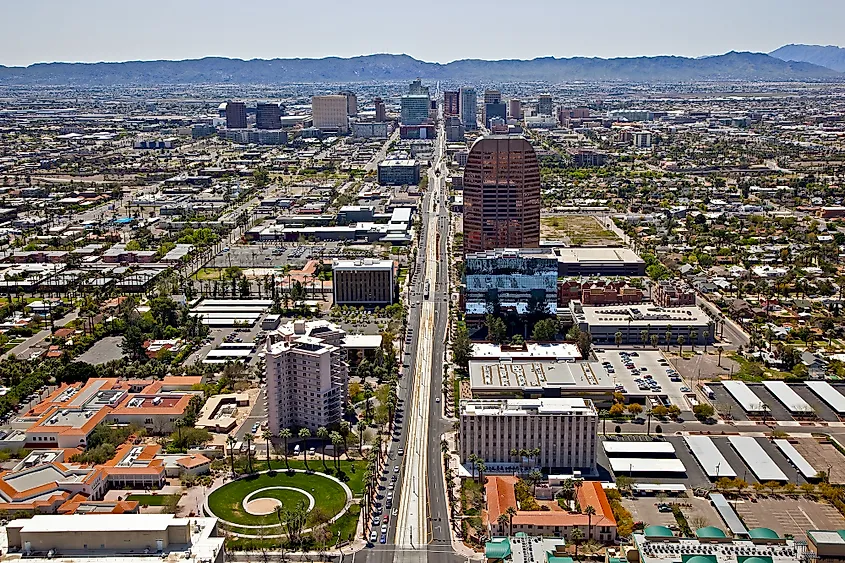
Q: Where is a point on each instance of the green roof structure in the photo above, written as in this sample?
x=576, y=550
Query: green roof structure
x=689, y=558
x=497, y=548
x=658, y=532
x=710, y=532
x=763, y=534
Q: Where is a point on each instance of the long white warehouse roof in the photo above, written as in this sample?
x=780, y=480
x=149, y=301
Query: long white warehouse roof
x=644, y=448
x=798, y=460
x=787, y=395
x=708, y=455
x=744, y=396
x=828, y=394
x=646, y=465
x=752, y=453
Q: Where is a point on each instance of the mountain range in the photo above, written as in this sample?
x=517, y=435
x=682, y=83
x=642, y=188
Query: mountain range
x=732, y=66
x=828, y=56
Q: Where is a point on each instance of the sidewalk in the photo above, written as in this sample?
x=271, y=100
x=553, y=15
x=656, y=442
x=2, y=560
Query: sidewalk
x=454, y=463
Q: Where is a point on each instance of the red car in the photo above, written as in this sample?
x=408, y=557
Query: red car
x=386, y=518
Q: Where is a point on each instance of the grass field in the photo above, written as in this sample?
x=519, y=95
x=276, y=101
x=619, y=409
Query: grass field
x=209, y=274
x=351, y=471
x=151, y=500
x=227, y=501
x=577, y=230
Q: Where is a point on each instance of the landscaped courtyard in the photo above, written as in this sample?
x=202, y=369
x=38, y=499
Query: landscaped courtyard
x=253, y=500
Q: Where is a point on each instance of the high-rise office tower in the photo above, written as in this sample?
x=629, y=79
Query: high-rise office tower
x=492, y=111
x=515, y=109
x=545, y=105
x=451, y=103
x=469, y=108
x=417, y=89
x=268, y=116
x=415, y=109
x=235, y=115
x=501, y=194
x=351, y=103
x=381, y=112
x=492, y=97
x=329, y=113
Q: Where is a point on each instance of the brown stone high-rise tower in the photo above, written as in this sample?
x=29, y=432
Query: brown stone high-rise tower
x=501, y=194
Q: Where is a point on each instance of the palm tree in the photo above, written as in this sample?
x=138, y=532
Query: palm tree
x=362, y=427
x=576, y=536
x=590, y=512
x=681, y=341
x=473, y=459
x=344, y=430
x=285, y=434
x=304, y=434
x=706, y=336
x=511, y=512
x=693, y=336
x=337, y=440
x=654, y=340
x=481, y=469
x=230, y=441
x=179, y=424
x=323, y=434
x=618, y=337
x=535, y=453
x=668, y=336
x=534, y=478
x=514, y=453
x=503, y=521
x=248, y=438
x=267, y=435
x=644, y=337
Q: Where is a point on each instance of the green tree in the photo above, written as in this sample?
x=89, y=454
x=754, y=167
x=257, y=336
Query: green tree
x=461, y=345
x=545, y=330
x=304, y=434
x=497, y=332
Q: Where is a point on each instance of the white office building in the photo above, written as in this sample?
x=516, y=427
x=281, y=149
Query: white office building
x=564, y=429
x=307, y=377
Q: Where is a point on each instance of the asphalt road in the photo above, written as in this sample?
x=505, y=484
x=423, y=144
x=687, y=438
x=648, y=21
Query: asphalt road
x=436, y=546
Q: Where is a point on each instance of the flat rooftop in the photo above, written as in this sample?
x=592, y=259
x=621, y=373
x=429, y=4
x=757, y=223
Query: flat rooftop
x=524, y=407
x=604, y=255
x=645, y=315
x=538, y=350
x=537, y=374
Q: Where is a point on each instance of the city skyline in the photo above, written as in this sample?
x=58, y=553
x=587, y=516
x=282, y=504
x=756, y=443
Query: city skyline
x=650, y=28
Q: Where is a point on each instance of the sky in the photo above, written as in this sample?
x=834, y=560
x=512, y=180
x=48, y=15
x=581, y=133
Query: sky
x=431, y=30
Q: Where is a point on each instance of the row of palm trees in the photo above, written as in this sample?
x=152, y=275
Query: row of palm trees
x=646, y=337
x=337, y=438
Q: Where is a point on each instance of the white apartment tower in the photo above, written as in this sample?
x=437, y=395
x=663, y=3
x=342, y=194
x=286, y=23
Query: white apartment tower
x=307, y=378
x=564, y=429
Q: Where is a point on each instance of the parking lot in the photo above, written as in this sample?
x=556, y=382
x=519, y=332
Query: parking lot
x=699, y=513
x=269, y=254
x=823, y=456
x=726, y=405
x=652, y=366
x=790, y=516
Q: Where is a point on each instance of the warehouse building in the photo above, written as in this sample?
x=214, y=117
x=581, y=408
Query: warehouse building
x=599, y=262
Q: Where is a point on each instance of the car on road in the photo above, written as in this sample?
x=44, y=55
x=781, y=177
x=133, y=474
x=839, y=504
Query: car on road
x=383, y=538
x=396, y=469
x=384, y=528
x=386, y=518
x=437, y=399
x=373, y=536
x=401, y=452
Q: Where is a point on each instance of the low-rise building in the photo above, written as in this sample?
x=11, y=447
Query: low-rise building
x=668, y=293
x=565, y=430
x=608, y=261
x=690, y=322
x=555, y=522
x=518, y=280
x=363, y=282
x=522, y=548
x=539, y=378
x=100, y=537
x=399, y=172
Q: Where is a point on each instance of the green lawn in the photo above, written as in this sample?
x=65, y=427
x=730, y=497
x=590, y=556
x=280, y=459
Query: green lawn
x=227, y=501
x=351, y=471
x=151, y=500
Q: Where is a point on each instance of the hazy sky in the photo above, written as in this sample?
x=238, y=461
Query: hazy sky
x=431, y=30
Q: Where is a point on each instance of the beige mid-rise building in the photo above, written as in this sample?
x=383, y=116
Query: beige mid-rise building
x=363, y=282
x=565, y=431
x=330, y=113
x=307, y=376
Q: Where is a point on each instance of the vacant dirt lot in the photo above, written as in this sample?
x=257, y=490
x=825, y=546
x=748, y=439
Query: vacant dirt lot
x=577, y=230
x=823, y=456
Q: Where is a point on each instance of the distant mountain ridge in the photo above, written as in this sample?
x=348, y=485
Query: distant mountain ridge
x=732, y=66
x=829, y=56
